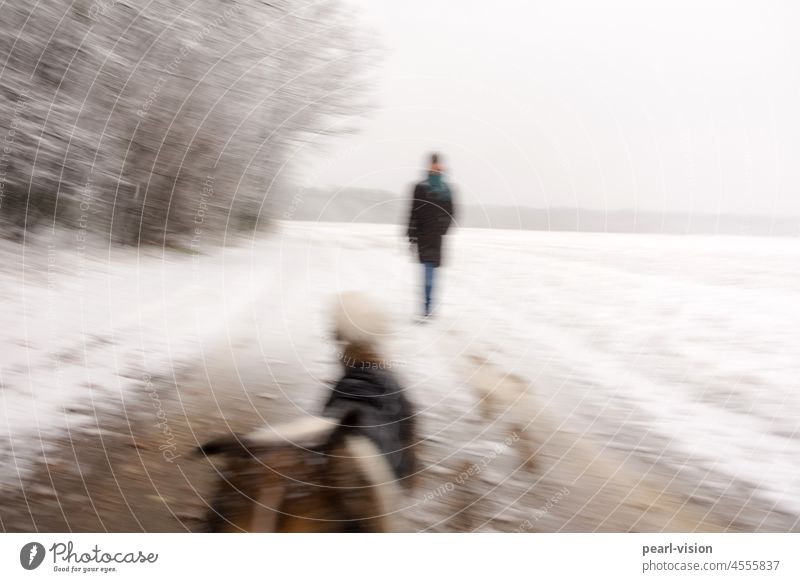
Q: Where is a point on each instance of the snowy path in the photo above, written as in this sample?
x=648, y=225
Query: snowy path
x=82, y=333
x=679, y=352
x=661, y=367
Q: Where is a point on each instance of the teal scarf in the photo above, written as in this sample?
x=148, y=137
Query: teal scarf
x=439, y=186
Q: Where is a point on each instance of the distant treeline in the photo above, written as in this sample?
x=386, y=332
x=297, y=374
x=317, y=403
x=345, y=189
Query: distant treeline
x=147, y=120
x=363, y=205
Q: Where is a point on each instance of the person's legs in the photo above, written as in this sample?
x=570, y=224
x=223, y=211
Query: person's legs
x=429, y=270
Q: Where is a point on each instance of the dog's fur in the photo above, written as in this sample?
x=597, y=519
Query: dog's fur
x=339, y=472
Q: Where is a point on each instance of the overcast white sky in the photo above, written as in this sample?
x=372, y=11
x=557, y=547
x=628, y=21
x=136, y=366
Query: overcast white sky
x=648, y=105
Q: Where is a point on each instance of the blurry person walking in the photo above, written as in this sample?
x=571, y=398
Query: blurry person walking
x=432, y=213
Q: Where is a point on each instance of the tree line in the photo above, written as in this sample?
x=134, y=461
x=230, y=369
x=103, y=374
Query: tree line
x=148, y=122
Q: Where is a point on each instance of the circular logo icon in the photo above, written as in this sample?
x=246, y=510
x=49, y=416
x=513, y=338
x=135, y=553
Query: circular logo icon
x=31, y=555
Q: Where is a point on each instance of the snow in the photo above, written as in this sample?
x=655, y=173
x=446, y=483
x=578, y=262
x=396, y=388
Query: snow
x=87, y=326
x=680, y=351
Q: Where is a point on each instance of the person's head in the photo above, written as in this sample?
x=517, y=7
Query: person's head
x=435, y=167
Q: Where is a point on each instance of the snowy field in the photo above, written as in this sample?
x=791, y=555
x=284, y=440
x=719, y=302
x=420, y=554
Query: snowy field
x=679, y=353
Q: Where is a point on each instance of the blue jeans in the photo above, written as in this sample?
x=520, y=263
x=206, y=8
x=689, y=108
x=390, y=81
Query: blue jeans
x=429, y=270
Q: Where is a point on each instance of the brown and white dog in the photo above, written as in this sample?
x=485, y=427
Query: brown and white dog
x=345, y=470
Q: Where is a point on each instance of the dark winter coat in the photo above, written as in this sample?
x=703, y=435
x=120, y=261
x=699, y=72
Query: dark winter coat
x=384, y=414
x=429, y=220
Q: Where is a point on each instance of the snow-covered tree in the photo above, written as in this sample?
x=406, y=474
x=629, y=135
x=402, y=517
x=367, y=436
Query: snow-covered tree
x=145, y=121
